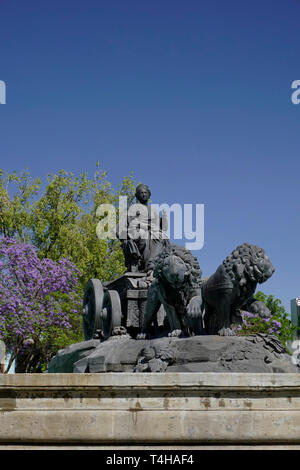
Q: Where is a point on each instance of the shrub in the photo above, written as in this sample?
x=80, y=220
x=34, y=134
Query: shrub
x=277, y=324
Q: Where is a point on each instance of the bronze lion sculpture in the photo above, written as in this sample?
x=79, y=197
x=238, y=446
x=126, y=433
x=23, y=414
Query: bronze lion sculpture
x=232, y=287
x=177, y=280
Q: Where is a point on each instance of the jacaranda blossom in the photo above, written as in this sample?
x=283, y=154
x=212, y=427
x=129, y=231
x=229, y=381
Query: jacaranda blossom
x=29, y=305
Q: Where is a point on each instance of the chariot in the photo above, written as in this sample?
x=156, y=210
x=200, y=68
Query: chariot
x=116, y=307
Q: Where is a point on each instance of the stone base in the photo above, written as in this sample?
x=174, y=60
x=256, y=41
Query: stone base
x=150, y=410
x=255, y=353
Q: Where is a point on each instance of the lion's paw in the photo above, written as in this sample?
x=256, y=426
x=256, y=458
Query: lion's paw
x=141, y=336
x=226, y=332
x=175, y=333
x=194, y=307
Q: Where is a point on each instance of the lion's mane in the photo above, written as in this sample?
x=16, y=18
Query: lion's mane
x=193, y=281
x=242, y=265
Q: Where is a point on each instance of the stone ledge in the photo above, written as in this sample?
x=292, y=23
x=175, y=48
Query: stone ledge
x=152, y=408
x=234, y=380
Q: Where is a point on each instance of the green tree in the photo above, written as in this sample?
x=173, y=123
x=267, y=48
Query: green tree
x=278, y=324
x=278, y=312
x=59, y=219
x=16, y=196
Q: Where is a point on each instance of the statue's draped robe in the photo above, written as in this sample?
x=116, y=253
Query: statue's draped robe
x=145, y=235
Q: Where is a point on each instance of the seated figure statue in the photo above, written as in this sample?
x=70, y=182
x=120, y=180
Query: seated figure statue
x=145, y=235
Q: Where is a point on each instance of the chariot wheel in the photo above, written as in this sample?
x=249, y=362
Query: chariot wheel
x=111, y=314
x=92, y=307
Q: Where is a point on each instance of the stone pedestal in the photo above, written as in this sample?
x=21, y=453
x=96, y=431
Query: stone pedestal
x=153, y=409
x=254, y=353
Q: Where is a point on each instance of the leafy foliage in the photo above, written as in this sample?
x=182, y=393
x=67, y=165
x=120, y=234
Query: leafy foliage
x=59, y=219
x=278, y=324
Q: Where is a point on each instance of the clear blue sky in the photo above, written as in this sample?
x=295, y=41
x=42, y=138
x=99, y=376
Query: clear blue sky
x=192, y=96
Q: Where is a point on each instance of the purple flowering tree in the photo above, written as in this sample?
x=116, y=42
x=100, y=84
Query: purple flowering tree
x=32, y=313
x=252, y=323
x=278, y=324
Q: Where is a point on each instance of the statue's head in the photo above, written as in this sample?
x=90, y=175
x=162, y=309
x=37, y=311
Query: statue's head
x=249, y=262
x=142, y=193
x=178, y=268
x=264, y=269
x=174, y=271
